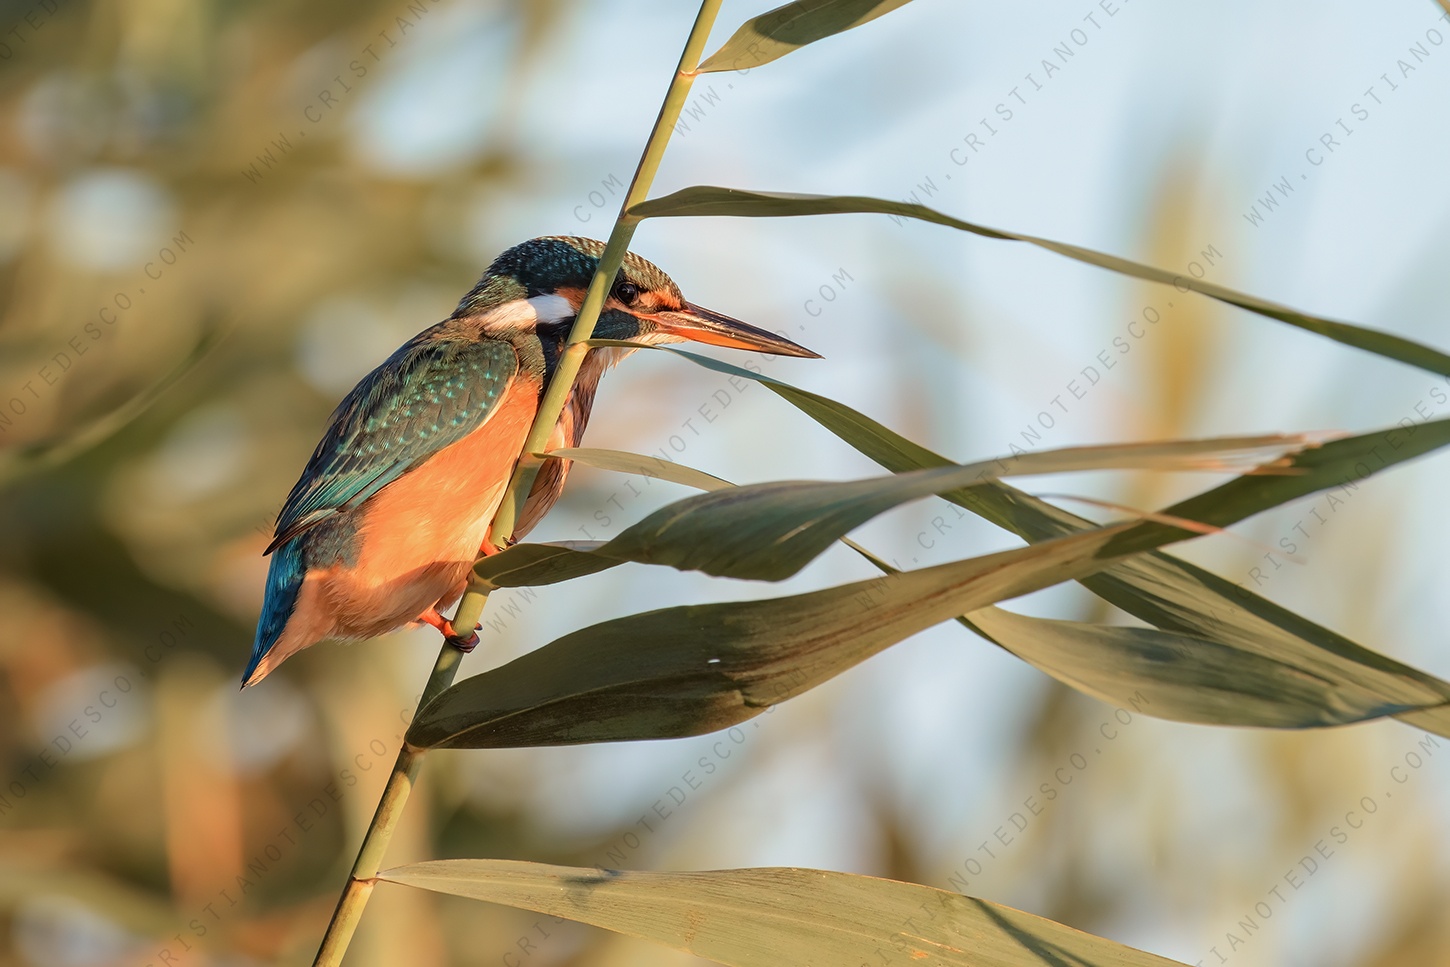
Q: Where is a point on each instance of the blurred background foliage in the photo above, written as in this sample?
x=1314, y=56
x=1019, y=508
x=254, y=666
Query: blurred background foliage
x=266, y=198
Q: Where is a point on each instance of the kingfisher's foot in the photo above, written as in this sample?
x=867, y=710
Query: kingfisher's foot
x=463, y=643
x=488, y=548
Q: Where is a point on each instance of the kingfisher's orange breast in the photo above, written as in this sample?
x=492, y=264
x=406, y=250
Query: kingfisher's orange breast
x=418, y=537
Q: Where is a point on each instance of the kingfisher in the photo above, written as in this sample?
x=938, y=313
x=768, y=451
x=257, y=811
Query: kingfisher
x=394, y=506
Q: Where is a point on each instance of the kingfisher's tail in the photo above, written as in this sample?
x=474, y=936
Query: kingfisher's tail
x=284, y=581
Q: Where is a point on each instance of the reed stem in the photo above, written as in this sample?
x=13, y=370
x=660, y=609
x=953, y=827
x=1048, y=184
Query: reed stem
x=359, y=886
x=365, y=868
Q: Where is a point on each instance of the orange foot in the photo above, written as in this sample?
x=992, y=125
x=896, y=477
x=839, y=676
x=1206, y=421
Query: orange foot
x=465, y=645
x=488, y=548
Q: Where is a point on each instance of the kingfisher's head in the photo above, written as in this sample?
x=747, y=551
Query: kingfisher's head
x=540, y=285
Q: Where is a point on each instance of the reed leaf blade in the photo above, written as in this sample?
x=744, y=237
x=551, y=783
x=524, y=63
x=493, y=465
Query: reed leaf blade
x=809, y=918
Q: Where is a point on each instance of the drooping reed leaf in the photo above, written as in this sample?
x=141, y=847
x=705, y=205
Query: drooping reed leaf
x=1184, y=598
x=698, y=668
x=713, y=201
x=1226, y=454
x=776, y=33
x=805, y=918
x=1337, y=463
x=1186, y=678
x=770, y=531
x=1192, y=679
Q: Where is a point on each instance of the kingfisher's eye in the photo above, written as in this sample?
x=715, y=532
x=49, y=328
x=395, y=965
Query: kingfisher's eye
x=626, y=292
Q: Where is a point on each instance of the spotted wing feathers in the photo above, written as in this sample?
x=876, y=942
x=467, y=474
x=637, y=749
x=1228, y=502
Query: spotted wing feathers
x=429, y=394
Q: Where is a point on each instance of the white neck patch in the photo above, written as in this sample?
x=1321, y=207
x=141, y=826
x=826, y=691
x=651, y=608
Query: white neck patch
x=525, y=313
x=551, y=308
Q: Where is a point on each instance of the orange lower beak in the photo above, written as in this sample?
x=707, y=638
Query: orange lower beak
x=699, y=324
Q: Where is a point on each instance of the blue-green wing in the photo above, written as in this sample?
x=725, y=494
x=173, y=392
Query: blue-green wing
x=429, y=394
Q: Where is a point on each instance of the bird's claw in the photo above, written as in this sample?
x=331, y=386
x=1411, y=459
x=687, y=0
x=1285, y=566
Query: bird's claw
x=488, y=548
x=464, y=645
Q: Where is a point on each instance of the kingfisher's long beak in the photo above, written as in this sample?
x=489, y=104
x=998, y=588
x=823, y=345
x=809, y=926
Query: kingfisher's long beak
x=699, y=324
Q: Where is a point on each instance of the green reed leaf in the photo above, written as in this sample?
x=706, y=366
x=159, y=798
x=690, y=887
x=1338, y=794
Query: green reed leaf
x=770, y=531
x=772, y=35
x=712, y=201
x=698, y=668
